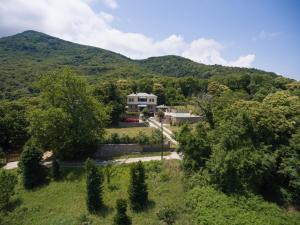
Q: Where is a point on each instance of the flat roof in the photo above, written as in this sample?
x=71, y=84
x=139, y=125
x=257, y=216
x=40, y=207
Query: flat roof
x=141, y=94
x=187, y=115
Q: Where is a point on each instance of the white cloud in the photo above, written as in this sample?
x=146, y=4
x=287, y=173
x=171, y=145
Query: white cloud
x=75, y=20
x=106, y=16
x=111, y=3
x=266, y=35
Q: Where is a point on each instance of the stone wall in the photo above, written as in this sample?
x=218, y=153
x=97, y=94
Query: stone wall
x=113, y=150
x=132, y=124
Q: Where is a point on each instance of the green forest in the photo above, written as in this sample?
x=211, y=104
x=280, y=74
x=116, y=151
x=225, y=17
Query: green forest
x=241, y=163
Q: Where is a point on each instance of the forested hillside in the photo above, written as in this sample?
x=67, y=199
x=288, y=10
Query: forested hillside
x=26, y=56
x=241, y=162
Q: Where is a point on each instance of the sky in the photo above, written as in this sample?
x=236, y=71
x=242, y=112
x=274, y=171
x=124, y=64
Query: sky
x=263, y=34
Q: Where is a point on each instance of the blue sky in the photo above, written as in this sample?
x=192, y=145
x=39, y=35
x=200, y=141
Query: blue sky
x=263, y=34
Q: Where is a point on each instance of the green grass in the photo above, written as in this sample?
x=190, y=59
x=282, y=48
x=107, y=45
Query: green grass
x=63, y=202
x=130, y=131
x=174, y=129
x=143, y=154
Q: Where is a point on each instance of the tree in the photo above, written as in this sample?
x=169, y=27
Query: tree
x=146, y=112
x=137, y=191
x=205, y=105
x=167, y=215
x=121, y=218
x=13, y=132
x=55, y=169
x=109, y=94
x=69, y=120
x=33, y=172
x=8, y=182
x=94, y=180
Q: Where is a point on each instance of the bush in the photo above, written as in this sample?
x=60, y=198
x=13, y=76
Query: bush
x=143, y=139
x=55, y=170
x=115, y=138
x=2, y=158
x=210, y=206
x=121, y=218
x=155, y=137
x=167, y=214
x=94, y=181
x=137, y=191
x=8, y=182
x=33, y=172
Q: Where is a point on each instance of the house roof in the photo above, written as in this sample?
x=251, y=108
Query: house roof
x=140, y=94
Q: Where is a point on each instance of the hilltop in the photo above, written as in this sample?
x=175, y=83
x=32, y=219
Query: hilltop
x=28, y=55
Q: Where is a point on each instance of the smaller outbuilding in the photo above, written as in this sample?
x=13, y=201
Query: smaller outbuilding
x=177, y=118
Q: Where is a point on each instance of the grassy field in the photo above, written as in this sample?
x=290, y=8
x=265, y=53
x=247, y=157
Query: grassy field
x=130, y=131
x=63, y=202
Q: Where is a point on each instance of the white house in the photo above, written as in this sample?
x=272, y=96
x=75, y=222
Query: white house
x=136, y=102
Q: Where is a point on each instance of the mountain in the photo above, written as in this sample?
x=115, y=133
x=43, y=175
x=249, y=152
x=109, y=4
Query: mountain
x=26, y=56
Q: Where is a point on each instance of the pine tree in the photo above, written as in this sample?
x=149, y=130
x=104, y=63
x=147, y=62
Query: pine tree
x=138, y=193
x=121, y=218
x=94, y=181
x=55, y=170
x=33, y=172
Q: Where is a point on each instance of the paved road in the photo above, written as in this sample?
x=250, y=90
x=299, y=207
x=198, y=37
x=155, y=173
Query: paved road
x=167, y=133
x=173, y=155
x=152, y=122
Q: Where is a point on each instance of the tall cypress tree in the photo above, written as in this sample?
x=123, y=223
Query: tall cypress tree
x=121, y=218
x=33, y=172
x=137, y=191
x=94, y=181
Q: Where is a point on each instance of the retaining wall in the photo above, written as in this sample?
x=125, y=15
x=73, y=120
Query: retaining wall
x=113, y=150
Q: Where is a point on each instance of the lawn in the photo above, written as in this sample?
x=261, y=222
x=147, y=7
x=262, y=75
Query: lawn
x=63, y=202
x=130, y=131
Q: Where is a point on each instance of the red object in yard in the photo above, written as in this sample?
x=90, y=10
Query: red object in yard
x=131, y=120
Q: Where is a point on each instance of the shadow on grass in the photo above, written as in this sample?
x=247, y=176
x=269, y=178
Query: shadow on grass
x=72, y=174
x=104, y=211
x=150, y=205
x=13, y=204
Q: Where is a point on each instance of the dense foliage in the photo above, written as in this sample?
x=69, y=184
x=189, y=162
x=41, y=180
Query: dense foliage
x=8, y=182
x=26, y=56
x=13, y=125
x=246, y=145
x=33, y=172
x=68, y=120
x=56, y=173
x=214, y=207
x=138, y=191
x=94, y=180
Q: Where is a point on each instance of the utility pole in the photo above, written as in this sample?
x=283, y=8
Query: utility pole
x=162, y=139
x=160, y=115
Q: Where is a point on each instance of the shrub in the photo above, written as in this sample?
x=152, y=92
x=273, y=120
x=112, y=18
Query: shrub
x=121, y=218
x=55, y=170
x=2, y=158
x=109, y=172
x=137, y=191
x=8, y=182
x=156, y=137
x=94, y=181
x=33, y=172
x=143, y=139
x=167, y=214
